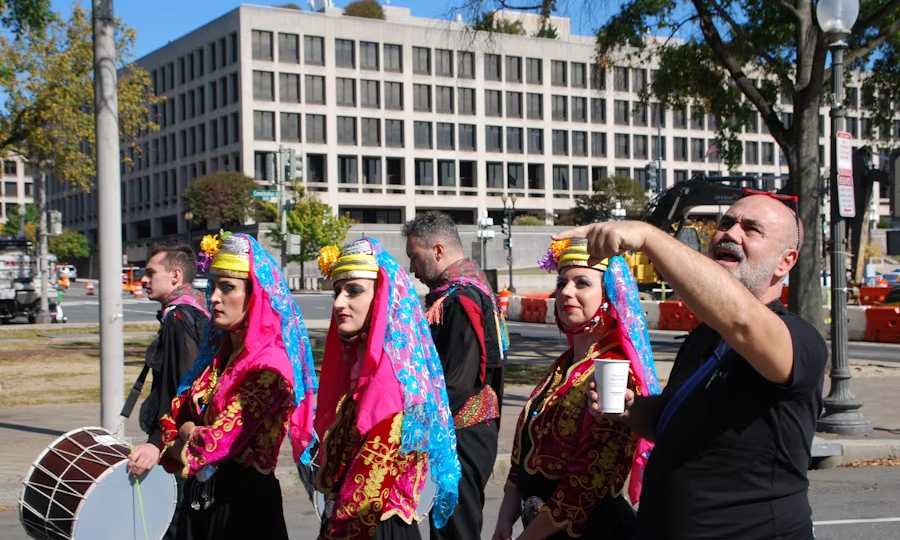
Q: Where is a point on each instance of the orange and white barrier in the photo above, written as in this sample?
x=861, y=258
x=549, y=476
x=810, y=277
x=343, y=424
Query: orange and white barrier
x=90, y=288
x=138, y=290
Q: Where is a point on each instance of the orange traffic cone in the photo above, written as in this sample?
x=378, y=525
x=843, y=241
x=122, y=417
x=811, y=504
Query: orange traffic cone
x=504, y=300
x=90, y=288
x=138, y=290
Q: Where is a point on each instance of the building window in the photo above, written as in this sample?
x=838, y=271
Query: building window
x=393, y=95
x=620, y=79
x=657, y=115
x=534, y=71
x=261, y=48
x=623, y=146
x=346, y=130
x=371, y=132
x=424, y=172
x=561, y=178
x=315, y=89
x=346, y=91
x=467, y=137
x=10, y=168
x=679, y=117
x=493, y=103
x=495, y=175
x=680, y=148
x=514, y=69
x=514, y=104
x=560, y=108
x=579, y=143
x=290, y=127
x=598, y=111
x=579, y=109
x=493, y=138
x=443, y=62
x=445, y=136
x=289, y=48
x=535, y=141
x=698, y=150
x=393, y=133
x=640, y=79
x=579, y=75
x=768, y=153
x=466, y=100
x=288, y=87
x=560, y=142
x=446, y=173
x=347, y=170
x=698, y=117
x=421, y=61
x=422, y=134
x=751, y=153
x=579, y=178
x=263, y=126
x=368, y=94
x=514, y=143
x=492, y=67
x=445, y=99
x=368, y=55
x=558, y=75
x=263, y=88
x=598, y=77
x=515, y=176
x=393, y=58
x=535, y=106
x=10, y=189
x=344, y=53
x=598, y=144
x=622, y=114
x=315, y=128
x=640, y=147
x=466, y=64
x=314, y=50
x=422, y=97
x=658, y=145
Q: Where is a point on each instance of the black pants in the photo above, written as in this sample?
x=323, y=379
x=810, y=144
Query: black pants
x=392, y=528
x=477, y=448
x=247, y=505
x=179, y=515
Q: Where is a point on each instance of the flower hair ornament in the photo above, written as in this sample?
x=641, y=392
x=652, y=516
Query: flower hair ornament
x=328, y=255
x=573, y=252
x=209, y=247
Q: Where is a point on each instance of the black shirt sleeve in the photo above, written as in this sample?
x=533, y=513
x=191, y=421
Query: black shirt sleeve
x=810, y=356
x=178, y=350
x=457, y=344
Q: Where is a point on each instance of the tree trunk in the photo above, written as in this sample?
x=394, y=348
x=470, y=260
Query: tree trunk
x=302, y=280
x=43, y=240
x=802, y=154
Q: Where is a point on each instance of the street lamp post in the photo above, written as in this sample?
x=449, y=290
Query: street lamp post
x=189, y=219
x=836, y=18
x=21, y=220
x=485, y=233
x=509, y=214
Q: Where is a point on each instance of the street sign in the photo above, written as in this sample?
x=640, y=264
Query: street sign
x=265, y=193
x=844, y=153
x=846, y=197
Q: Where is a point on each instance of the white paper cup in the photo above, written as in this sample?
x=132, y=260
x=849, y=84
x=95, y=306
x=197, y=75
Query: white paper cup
x=611, y=376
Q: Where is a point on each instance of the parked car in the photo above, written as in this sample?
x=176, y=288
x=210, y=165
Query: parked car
x=67, y=270
x=200, y=282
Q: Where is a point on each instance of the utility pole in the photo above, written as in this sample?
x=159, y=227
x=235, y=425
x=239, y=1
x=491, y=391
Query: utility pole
x=43, y=317
x=281, y=180
x=109, y=230
x=509, y=214
x=485, y=233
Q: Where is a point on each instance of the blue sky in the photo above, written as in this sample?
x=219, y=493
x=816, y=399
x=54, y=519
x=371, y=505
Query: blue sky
x=162, y=21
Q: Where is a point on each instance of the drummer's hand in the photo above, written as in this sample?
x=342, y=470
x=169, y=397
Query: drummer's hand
x=594, y=402
x=142, y=459
x=186, y=429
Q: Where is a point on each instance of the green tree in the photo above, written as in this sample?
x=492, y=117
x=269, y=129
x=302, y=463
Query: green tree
x=11, y=227
x=226, y=197
x=743, y=60
x=290, y=5
x=547, y=31
x=20, y=16
x=69, y=245
x=369, y=9
x=490, y=22
x=607, y=192
x=317, y=226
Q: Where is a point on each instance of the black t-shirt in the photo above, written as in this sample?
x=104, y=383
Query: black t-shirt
x=732, y=461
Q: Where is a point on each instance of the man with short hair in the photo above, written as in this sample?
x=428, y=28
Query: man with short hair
x=183, y=320
x=469, y=337
x=734, y=425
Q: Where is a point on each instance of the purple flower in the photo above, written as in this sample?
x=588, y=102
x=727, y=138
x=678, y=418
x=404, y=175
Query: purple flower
x=548, y=262
x=205, y=261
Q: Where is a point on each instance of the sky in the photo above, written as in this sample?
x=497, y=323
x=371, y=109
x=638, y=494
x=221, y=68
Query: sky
x=161, y=21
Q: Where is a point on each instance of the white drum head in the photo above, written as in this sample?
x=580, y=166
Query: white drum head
x=111, y=509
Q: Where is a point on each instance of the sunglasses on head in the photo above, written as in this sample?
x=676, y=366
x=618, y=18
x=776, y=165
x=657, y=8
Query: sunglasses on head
x=791, y=201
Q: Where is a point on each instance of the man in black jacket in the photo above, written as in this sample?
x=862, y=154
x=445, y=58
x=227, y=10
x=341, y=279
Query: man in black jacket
x=467, y=332
x=183, y=320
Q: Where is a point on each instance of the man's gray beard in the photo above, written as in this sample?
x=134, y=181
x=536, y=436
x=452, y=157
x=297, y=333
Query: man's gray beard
x=756, y=276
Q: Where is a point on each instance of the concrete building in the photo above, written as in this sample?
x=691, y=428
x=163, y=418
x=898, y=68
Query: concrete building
x=18, y=188
x=403, y=115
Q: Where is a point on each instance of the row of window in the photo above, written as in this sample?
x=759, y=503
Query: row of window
x=217, y=133
x=193, y=103
x=217, y=55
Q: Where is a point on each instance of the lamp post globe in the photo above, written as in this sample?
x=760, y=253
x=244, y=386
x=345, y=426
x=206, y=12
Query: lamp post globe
x=189, y=218
x=836, y=17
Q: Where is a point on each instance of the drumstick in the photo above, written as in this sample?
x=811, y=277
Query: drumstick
x=137, y=481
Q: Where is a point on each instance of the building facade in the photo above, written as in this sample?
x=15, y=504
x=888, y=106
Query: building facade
x=404, y=115
x=18, y=188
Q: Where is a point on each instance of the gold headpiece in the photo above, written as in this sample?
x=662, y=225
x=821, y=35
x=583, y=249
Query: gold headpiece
x=232, y=259
x=356, y=261
x=571, y=252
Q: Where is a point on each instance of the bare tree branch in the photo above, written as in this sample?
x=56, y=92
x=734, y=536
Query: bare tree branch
x=876, y=42
x=780, y=72
x=728, y=61
x=885, y=11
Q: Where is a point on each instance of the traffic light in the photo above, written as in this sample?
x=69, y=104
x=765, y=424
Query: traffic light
x=295, y=165
x=505, y=227
x=652, y=176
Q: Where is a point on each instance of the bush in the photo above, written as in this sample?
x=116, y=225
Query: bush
x=528, y=220
x=884, y=223
x=368, y=9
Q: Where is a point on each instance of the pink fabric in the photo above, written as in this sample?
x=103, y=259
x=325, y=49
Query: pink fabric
x=378, y=393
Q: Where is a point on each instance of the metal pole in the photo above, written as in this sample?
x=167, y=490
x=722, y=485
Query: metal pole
x=841, y=415
x=43, y=316
x=659, y=176
x=282, y=208
x=109, y=230
x=512, y=214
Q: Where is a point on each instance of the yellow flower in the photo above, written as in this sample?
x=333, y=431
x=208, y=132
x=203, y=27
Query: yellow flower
x=328, y=256
x=210, y=244
x=558, y=246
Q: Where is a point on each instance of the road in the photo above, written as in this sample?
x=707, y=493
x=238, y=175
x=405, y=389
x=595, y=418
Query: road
x=80, y=308
x=848, y=504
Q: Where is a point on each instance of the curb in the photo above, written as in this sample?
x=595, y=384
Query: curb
x=853, y=450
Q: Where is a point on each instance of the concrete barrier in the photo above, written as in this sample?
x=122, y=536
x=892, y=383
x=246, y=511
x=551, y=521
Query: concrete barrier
x=514, y=312
x=551, y=311
x=856, y=323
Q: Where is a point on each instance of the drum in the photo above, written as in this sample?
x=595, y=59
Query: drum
x=426, y=501
x=79, y=489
